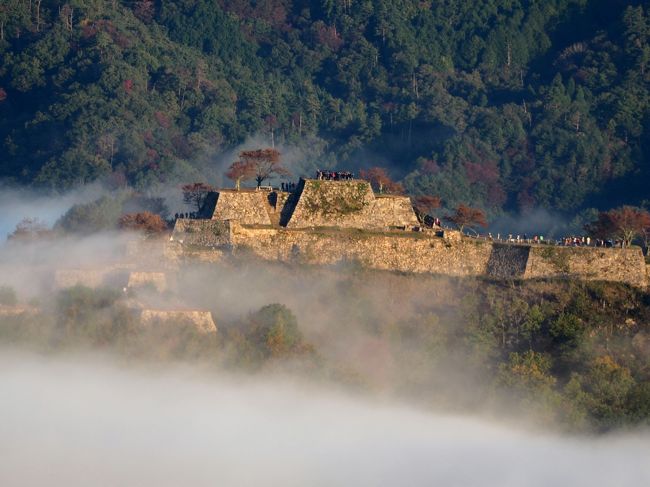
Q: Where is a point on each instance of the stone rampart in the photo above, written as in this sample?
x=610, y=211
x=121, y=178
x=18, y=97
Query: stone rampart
x=345, y=204
x=201, y=233
x=249, y=207
x=346, y=230
x=587, y=263
x=157, y=280
x=112, y=276
x=394, y=211
x=200, y=320
x=508, y=261
x=395, y=251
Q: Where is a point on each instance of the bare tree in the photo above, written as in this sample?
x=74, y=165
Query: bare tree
x=196, y=193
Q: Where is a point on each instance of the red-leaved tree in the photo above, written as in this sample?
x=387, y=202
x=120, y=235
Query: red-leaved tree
x=241, y=170
x=145, y=222
x=466, y=216
x=266, y=163
x=381, y=181
x=624, y=224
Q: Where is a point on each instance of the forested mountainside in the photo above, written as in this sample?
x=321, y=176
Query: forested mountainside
x=505, y=104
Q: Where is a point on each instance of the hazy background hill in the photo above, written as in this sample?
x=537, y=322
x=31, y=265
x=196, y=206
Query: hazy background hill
x=504, y=104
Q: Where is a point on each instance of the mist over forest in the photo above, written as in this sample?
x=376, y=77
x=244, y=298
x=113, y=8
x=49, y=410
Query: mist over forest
x=175, y=426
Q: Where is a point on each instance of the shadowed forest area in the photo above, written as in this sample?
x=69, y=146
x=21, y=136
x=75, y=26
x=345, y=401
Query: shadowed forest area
x=506, y=105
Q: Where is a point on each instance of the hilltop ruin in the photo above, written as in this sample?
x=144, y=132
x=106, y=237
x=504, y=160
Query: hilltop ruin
x=326, y=222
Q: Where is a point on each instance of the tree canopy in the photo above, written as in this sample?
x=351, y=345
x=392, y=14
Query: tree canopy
x=506, y=104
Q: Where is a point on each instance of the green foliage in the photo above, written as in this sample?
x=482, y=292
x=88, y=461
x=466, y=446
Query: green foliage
x=274, y=330
x=105, y=212
x=101, y=214
x=567, y=329
x=269, y=334
x=503, y=104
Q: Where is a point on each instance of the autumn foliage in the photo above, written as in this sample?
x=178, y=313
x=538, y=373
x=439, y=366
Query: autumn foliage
x=241, y=170
x=465, y=216
x=381, y=181
x=145, y=222
x=262, y=164
x=623, y=224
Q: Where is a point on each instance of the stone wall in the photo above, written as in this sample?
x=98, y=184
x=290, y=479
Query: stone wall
x=201, y=320
x=157, y=280
x=92, y=278
x=277, y=201
x=346, y=204
x=421, y=252
x=249, y=207
x=600, y=264
x=394, y=211
x=508, y=261
x=201, y=233
x=395, y=251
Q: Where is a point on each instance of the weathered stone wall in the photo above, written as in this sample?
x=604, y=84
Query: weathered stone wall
x=508, y=261
x=249, y=207
x=158, y=280
x=394, y=211
x=332, y=204
x=93, y=278
x=425, y=252
x=276, y=204
x=345, y=204
x=396, y=251
x=588, y=263
x=201, y=233
x=201, y=320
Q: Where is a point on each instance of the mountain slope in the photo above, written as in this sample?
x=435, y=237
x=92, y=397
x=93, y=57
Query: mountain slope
x=506, y=104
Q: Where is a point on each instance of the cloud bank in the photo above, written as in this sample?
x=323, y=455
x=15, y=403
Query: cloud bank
x=77, y=421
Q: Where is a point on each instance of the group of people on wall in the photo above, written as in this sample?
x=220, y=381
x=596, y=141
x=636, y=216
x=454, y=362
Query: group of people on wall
x=334, y=175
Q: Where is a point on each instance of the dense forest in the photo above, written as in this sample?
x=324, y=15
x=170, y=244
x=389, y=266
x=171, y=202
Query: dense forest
x=503, y=104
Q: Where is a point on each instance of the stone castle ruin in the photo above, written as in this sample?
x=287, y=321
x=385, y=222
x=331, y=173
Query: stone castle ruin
x=325, y=222
x=314, y=203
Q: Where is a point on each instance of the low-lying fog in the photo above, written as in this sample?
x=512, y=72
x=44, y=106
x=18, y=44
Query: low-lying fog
x=82, y=421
